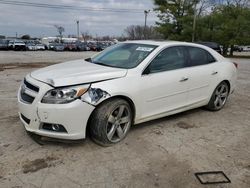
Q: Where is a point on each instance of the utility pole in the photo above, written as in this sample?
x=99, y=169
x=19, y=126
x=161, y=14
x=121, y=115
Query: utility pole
x=194, y=24
x=146, y=12
x=77, y=22
x=16, y=35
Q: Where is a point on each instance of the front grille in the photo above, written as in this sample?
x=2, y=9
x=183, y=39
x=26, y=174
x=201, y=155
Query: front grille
x=28, y=92
x=25, y=119
x=27, y=98
x=30, y=86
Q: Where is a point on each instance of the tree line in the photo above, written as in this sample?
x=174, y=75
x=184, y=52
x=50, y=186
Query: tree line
x=226, y=22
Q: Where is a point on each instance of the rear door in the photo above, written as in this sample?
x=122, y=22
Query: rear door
x=202, y=71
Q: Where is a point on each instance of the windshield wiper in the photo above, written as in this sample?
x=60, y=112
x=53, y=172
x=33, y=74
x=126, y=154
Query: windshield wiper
x=99, y=63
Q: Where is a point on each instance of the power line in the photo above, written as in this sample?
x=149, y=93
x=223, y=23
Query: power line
x=57, y=6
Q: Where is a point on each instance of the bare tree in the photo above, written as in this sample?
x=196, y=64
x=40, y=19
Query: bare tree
x=137, y=32
x=86, y=36
x=238, y=3
x=60, y=30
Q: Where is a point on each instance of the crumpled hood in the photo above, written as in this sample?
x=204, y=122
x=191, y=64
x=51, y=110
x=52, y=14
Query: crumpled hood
x=76, y=72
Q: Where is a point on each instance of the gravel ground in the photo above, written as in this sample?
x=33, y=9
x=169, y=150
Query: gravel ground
x=242, y=53
x=12, y=57
x=161, y=153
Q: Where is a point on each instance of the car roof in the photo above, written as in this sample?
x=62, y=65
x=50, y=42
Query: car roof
x=163, y=43
x=150, y=42
x=209, y=44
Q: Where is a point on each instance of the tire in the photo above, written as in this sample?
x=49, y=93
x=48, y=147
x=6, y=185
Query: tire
x=110, y=122
x=219, y=97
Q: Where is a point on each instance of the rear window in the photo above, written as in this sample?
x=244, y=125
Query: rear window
x=199, y=56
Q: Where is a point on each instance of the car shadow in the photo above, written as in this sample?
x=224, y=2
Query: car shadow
x=168, y=118
x=41, y=140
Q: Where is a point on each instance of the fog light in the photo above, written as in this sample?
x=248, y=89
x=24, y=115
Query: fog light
x=55, y=127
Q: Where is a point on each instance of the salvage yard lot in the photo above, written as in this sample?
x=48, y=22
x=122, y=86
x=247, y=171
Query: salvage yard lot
x=160, y=153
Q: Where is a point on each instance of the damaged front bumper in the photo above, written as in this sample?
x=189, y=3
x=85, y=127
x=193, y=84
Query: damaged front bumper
x=44, y=119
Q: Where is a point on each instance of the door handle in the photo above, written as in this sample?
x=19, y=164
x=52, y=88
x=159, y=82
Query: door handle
x=183, y=79
x=214, y=72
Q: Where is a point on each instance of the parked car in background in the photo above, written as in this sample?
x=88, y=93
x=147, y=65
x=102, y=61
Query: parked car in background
x=129, y=83
x=10, y=44
x=40, y=46
x=70, y=46
x=246, y=48
x=215, y=46
x=82, y=46
x=237, y=48
x=30, y=46
x=16, y=45
x=3, y=44
x=101, y=46
x=51, y=45
x=92, y=46
x=34, y=45
x=58, y=47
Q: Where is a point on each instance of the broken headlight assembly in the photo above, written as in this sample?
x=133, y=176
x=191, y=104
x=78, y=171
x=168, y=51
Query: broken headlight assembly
x=95, y=96
x=64, y=95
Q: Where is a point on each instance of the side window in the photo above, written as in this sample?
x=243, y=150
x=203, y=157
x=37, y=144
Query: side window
x=169, y=59
x=199, y=56
x=210, y=58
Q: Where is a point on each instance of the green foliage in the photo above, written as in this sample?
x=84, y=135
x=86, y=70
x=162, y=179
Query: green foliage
x=175, y=18
x=227, y=23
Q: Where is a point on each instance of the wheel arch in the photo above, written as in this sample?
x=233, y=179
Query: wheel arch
x=223, y=80
x=228, y=84
x=126, y=98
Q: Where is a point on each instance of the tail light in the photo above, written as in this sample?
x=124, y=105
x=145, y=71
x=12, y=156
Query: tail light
x=236, y=65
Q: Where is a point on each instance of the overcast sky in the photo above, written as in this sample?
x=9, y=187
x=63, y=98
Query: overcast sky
x=39, y=22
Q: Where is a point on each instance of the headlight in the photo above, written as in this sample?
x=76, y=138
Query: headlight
x=64, y=95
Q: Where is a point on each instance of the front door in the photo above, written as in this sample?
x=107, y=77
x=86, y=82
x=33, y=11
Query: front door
x=164, y=83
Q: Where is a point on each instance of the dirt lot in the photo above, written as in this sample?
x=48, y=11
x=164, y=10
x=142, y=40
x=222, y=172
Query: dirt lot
x=161, y=153
x=12, y=57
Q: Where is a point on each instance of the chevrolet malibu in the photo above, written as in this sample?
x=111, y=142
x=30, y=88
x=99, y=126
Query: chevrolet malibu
x=128, y=83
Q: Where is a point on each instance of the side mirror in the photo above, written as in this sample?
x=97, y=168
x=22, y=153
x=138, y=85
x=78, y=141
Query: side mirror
x=89, y=60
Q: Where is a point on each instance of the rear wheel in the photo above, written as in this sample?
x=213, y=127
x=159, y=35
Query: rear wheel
x=219, y=97
x=111, y=122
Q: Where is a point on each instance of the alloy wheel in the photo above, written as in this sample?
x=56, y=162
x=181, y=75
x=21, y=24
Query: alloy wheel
x=221, y=95
x=118, y=124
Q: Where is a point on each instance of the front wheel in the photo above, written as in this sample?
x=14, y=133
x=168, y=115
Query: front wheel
x=219, y=97
x=110, y=122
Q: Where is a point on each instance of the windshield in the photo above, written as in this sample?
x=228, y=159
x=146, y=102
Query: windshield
x=124, y=55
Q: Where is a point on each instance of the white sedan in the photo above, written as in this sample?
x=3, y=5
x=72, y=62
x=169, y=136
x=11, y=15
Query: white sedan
x=129, y=83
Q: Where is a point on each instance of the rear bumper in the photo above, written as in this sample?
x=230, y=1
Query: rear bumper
x=72, y=116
